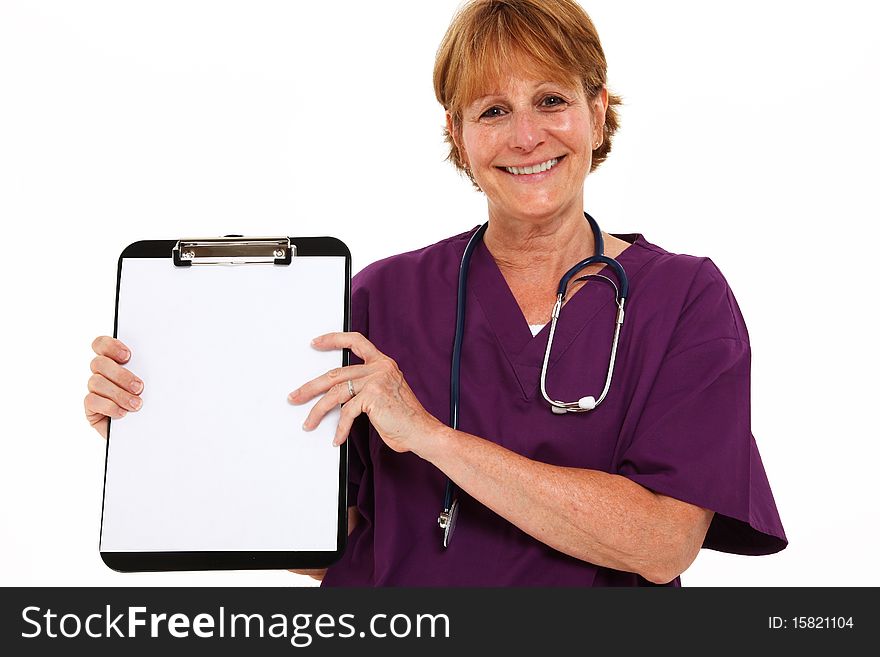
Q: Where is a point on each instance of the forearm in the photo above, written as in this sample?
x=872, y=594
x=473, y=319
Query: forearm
x=594, y=516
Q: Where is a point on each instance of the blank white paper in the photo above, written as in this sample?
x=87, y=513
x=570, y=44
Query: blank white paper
x=216, y=459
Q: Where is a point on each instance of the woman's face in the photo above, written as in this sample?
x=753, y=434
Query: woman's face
x=529, y=146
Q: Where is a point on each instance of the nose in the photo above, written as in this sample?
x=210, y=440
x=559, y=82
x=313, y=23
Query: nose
x=526, y=132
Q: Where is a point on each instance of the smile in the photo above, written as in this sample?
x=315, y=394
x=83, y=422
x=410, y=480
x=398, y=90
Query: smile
x=536, y=168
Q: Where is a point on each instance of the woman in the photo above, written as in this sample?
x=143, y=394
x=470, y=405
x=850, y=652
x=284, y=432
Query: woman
x=624, y=494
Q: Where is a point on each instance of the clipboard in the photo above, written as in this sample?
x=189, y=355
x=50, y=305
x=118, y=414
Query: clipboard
x=214, y=472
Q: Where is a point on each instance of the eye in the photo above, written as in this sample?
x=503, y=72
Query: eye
x=552, y=101
x=492, y=112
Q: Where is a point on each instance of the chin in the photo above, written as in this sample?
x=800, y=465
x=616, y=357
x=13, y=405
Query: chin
x=535, y=210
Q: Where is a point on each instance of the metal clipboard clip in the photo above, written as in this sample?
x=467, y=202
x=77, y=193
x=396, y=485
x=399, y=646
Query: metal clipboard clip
x=233, y=250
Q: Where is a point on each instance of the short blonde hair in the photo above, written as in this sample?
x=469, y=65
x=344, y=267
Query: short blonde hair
x=553, y=39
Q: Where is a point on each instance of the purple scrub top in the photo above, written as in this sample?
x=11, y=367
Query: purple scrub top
x=676, y=419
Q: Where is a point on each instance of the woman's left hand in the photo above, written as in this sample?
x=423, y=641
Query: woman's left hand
x=380, y=391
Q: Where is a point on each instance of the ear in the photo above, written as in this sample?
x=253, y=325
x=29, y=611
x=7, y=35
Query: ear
x=454, y=130
x=600, y=106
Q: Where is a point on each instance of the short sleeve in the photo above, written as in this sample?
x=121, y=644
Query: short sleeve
x=693, y=440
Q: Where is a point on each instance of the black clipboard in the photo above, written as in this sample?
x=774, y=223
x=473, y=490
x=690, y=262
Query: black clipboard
x=292, y=261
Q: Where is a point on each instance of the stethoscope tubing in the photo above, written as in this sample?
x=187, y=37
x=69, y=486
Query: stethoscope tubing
x=455, y=378
x=450, y=499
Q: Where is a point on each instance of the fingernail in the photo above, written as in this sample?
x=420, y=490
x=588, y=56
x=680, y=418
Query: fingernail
x=124, y=354
x=135, y=402
x=293, y=395
x=305, y=426
x=136, y=387
x=314, y=342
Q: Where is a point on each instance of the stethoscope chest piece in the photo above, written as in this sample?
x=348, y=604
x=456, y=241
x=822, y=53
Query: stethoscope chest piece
x=584, y=403
x=447, y=522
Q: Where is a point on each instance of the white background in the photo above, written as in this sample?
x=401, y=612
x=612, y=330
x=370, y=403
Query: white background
x=749, y=135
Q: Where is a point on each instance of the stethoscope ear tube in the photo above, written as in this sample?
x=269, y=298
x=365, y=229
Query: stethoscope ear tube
x=589, y=402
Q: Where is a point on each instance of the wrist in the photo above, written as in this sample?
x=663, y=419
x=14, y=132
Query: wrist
x=433, y=442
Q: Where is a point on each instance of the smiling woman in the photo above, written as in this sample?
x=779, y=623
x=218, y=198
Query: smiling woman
x=625, y=494
x=619, y=490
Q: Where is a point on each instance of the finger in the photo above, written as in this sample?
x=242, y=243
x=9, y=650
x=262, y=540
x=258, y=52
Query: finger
x=104, y=345
x=101, y=425
x=109, y=390
x=337, y=395
x=360, y=346
x=314, y=573
x=98, y=407
x=347, y=416
x=326, y=381
x=110, y=369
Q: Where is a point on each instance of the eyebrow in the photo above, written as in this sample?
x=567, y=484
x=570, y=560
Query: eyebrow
x=499, y=93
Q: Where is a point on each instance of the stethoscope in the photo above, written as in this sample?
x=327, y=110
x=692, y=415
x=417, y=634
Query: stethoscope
x=450, y=502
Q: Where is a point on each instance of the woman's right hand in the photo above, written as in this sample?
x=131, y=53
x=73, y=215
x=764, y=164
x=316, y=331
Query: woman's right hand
x=113, y=390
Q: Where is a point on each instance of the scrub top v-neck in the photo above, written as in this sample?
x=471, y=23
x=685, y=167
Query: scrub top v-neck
x=524, y=350
x=676, y=419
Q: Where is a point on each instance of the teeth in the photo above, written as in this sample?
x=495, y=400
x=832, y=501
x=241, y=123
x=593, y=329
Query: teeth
x=538, y=168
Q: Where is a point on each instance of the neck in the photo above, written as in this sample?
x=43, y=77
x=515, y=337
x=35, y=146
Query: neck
x=542, y=247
